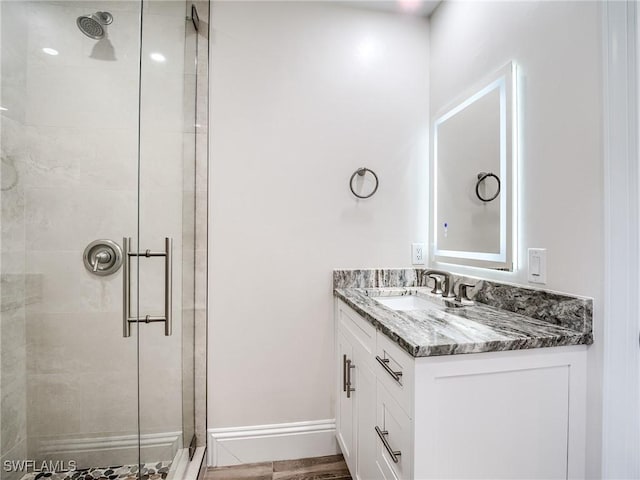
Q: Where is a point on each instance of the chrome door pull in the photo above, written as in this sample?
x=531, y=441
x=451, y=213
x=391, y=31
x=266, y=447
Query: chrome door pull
x=344, y=373
x=349, y=366
x=385, y=363
x=383, y=437
x=168, y=286
x=127, y=318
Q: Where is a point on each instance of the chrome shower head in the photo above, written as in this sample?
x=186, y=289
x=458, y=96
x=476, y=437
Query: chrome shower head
x=93, y=25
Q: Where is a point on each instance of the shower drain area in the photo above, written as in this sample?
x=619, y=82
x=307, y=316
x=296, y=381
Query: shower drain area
x=150, y=471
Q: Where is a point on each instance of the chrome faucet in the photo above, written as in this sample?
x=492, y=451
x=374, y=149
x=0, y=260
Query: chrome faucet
x=444, y=286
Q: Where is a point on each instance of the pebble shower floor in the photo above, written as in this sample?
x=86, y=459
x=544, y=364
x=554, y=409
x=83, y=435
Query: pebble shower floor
x=150, y=471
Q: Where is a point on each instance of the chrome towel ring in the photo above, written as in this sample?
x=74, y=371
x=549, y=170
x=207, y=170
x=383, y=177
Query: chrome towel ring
x=361, y=172
x=482, y=176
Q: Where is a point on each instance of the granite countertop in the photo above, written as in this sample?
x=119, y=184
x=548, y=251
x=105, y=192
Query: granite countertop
x=446, y=330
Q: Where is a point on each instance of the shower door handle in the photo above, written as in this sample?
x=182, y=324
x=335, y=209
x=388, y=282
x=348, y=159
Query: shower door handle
x=127, y=317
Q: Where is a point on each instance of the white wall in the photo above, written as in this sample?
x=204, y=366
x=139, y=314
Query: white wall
x=557, y=46
x=302, y=95
x=298, y=104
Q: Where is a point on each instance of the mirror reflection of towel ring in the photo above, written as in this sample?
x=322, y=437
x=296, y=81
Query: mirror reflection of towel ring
x=482, y=176
x=361, y=172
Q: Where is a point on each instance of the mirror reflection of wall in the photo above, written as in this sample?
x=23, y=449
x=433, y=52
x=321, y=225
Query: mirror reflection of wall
x=472, y=167
x=465, y=222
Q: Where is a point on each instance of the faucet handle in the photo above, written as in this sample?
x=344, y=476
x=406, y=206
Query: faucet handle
x=437, y=284
x=463, y=292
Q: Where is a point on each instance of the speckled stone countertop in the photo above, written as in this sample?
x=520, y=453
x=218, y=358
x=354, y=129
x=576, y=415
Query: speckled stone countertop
x=445, y=330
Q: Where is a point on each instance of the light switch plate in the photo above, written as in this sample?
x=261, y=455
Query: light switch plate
x=417, y=253
x=537, y=272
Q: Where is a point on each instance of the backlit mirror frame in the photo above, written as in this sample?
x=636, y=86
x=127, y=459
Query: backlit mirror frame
x=505, y=80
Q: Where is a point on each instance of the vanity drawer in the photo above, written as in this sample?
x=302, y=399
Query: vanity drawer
x=395, y=370
x=356, y=328
x=394, y=437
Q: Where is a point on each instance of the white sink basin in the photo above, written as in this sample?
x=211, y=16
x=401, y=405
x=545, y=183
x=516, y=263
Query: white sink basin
x=405, y=302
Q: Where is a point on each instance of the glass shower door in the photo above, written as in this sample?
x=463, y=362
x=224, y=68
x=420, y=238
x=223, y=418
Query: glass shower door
x=69, y=155
x=97, y=150
x=167, y=176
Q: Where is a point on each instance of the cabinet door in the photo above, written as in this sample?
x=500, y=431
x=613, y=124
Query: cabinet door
x=345, y=405
x=365, y=395
x=495, y=419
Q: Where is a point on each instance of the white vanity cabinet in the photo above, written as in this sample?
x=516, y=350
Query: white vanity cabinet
x=356, y=391
x=516, y=414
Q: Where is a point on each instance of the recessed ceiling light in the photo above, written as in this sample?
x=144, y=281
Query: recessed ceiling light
x=158, y=57
x=50, y=51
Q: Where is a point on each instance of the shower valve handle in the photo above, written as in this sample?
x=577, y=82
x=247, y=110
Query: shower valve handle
x=101, y=257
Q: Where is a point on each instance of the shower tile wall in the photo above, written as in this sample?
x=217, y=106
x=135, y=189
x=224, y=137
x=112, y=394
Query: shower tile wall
x=70, y=134
x=13, y=284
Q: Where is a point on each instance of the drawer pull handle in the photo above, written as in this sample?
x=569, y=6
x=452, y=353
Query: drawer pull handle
x=385, y=363
x=383, y=438
x=348, y=367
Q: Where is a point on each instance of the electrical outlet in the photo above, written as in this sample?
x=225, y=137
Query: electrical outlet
x=417, y=253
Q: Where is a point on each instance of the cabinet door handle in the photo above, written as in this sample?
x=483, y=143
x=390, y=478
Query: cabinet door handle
x=349, y=366
x=344, y=373
x=383, y=438
x=385, y=363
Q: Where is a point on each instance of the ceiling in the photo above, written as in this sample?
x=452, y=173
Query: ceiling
x=417, y=7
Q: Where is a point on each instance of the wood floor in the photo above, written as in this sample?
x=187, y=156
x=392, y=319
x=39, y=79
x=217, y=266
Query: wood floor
x=316, y=468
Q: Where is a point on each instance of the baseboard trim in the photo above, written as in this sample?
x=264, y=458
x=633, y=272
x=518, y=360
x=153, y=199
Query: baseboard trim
x=261, y=443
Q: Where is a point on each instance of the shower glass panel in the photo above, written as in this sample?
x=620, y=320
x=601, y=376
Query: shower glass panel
x=95, y=143
x=167, y=173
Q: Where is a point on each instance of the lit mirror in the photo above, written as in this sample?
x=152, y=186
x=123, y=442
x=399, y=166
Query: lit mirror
x=472, y=176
